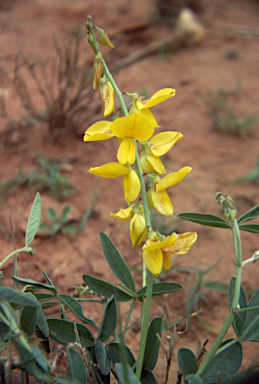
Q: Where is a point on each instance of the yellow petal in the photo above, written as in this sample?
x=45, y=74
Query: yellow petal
x=147, y=114
x=167, y=262
x=152, y=164
x=161, y=202
x=152, y=245
x=127, y=151
x=157, y=98
x=131, y=186
x=134, y=125
x=138, y=230
x=183, y=243
x=163, y=142
x=124, y=214
x=98, y=131
x=153, y=260
x=110, y=170
x=172, y=179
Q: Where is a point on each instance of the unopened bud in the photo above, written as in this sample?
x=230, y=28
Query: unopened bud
x=91, y=42
x=255, y=256
x=97, y=69
x=107, y=96
x=103, y=38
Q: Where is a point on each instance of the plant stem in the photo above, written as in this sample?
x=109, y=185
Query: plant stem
x=11, y=255
x=235, y=302
x=144, y=327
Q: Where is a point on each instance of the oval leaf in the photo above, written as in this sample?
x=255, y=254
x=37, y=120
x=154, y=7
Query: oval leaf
x=75, y=307
x=33, y=221
x=159, y=289
x=109, y=320
x=35, y=284
x=209, y=220
x=249, y=215
x=102, y=358
x=186, y=361
x=224, y=363
x=131, y=378
x=147, y=377
x=76, y=366
x=251, y=317
x=15, y=296
x=116, y=262
x=152, y=344
x=116, y=354
x=253, y=228
x=65, y=331
x=28, y=320
x=105, y=289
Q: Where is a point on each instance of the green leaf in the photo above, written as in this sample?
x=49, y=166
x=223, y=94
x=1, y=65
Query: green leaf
x=159, y=289
x=65, y=212
x=69, y=228
x=40, y=359
x=186, y=361
x=203, y=219
x=15, y=296
x=116, y=262
x=102, y=358
x=64, y=330
x=105, y=289
x=216, y=285
x=251, y=319
x=47, y=279
x=239, y=319
x=249, y=215
x=41, y=322
x=109, y=320
x=252, y=331
x=42, y=297
x=44, y=341
x=33, y=221
x=192, y=379
x=224, y=363
x=28, y=320
x=76, y=366
x=152, y=344
x=116, y=353
x=254, y=228
x=147, y=377
x=51, y=214
x=130, y=378
x=35, y=284
x=75, y=307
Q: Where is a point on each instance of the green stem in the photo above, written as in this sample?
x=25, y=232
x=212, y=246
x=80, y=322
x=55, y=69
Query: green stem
x=144, y=324
x=235, y=303
x=147, y=276
x=11, y=255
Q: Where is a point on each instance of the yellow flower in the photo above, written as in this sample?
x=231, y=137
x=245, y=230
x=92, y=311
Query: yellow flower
x=157, y=146
x=134, y=125
x=135, y=214
x=157, y=98
x=130, y=180
x=98, y=131
x=157, y=196
x=156, y=252
x=107, y=96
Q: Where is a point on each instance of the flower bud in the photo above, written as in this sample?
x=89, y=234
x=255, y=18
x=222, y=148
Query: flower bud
x=138, y=230
x=107, y=96
x=103, y=38
x=91, y=42
x=97, y=69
